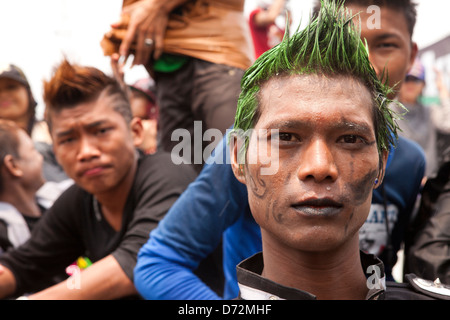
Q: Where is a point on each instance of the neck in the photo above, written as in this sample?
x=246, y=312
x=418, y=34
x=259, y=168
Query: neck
x=330, y=275
x=22, y=122
x=113, y=201
x=23, y=201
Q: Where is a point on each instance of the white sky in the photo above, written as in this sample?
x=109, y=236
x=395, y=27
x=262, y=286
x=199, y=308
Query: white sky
x=36, y=34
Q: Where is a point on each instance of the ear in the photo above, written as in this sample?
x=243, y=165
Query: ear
x=12, y=167
x=137, y=130
x=382, y=170
x=412, y=58
x=238, y=168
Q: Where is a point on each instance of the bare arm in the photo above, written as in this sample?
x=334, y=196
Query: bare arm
x=104, y=280
x=7, y=282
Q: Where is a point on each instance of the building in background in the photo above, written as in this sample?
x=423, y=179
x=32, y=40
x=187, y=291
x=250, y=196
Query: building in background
x=436, y=55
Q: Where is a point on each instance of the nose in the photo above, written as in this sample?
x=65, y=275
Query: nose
x=317, y=162
x=87, y=149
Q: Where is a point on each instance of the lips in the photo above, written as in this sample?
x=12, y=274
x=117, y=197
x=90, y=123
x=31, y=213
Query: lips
x=92, y=171
x=318, y=207
x=4, y=104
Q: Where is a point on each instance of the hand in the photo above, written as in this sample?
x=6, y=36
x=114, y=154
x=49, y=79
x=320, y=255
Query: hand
x=117, y=68
x=147, y=20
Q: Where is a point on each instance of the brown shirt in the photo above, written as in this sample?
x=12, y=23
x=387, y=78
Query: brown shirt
x=211, y=30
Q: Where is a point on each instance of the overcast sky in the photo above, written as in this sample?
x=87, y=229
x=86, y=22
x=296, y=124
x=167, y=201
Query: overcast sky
x=35, y=34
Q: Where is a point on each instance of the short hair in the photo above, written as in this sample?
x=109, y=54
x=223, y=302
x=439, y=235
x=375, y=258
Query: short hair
x=407, y=7
x=73, y=84
x=9, y=143
x=329, y=45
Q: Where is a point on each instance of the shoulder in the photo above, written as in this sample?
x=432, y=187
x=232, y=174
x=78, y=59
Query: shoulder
x=416, y=288
x=408, y=150
x=408, y=158
x=71, y=200
x=160, y=165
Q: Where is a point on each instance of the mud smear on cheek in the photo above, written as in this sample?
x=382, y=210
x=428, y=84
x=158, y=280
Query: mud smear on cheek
x=360, y=190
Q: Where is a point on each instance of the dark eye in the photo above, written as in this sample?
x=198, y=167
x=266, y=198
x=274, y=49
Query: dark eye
x=350, y=139
x=101, y=131
x=285, y=136
x=387, y=45
x=66, y=141
x=13, y=87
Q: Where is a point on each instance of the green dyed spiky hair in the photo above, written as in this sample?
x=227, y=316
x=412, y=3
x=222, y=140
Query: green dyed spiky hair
x=329, y=45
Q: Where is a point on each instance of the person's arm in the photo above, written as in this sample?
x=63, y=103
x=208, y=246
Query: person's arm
x=190, y=232
x=429, y=255
x=267, y=17
x=7, y=282
x=104, y=279
x=148, y=19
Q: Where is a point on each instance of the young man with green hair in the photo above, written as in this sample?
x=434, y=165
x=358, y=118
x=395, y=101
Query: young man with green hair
x=216, y=204
x=316, y=107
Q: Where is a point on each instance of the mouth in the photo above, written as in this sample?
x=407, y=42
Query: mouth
x=4, y=104
x=93, y=171
x=318, y=207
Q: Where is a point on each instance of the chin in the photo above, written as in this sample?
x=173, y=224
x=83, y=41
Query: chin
x=317, y=239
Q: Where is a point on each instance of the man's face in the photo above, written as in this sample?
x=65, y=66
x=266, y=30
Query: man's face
x=411, y=90
x=390, y=46
x=94, y=144
x=327, y=160
x=13, y=100
x=30, y=161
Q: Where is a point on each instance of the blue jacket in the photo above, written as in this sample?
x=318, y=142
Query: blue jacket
x=216, y=204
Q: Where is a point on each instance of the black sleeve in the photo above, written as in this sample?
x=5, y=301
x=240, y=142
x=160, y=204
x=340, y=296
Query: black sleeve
x=54, y=244
x=429, y=256
x=158, y=184
x=5, y=244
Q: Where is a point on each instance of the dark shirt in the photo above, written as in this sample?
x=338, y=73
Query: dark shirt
x=71, y=227
x=255, y=287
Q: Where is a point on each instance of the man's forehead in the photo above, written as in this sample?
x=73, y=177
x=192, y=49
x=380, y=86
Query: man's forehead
x=379, y=20
x=309, y=83
x=309, y=93
x=90, y=114
x=101, y=104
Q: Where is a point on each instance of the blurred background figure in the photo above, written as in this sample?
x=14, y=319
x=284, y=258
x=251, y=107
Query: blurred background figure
x=17, y=104
x=417, y=124
x=20, y=178
x=268, y=24
x=142, y=95
x=428, y=125
x=16, y=99
x=143, y=105
x=442, y=119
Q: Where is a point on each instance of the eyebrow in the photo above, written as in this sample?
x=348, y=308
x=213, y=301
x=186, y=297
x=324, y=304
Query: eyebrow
x=387, y=36
x=341, y=126
x=88, y=126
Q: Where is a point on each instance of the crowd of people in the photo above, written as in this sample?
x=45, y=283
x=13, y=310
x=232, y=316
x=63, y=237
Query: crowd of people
x=327, y=166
